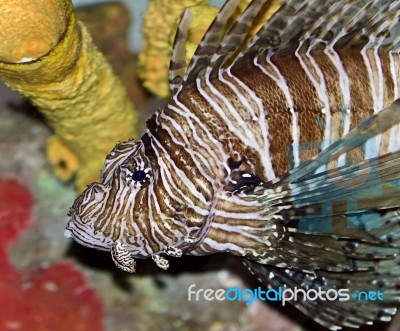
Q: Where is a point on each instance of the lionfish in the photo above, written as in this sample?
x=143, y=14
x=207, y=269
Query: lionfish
x=280, y=147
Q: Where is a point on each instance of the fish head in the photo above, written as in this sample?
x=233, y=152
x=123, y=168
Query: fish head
x=101, y=217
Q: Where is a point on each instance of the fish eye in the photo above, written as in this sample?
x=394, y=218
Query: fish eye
x=136, y=172
x=139, y=175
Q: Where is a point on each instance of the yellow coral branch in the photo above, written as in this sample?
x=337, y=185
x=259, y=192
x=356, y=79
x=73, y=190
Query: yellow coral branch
x=50, y=58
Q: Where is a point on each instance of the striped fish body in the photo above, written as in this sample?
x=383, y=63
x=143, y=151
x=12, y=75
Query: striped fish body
x=282, y=148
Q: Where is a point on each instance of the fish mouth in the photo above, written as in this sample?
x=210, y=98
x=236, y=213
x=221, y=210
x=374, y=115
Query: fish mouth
x=74, y=232
x=68, y=230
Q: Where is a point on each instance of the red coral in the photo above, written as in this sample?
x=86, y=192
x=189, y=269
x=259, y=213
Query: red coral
x=15, y=210
x=53, y=299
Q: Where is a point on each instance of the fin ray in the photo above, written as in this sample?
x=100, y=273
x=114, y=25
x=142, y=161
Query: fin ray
x=337, y=314
x=298, y=25
x=177, y=66
x=210, y=43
